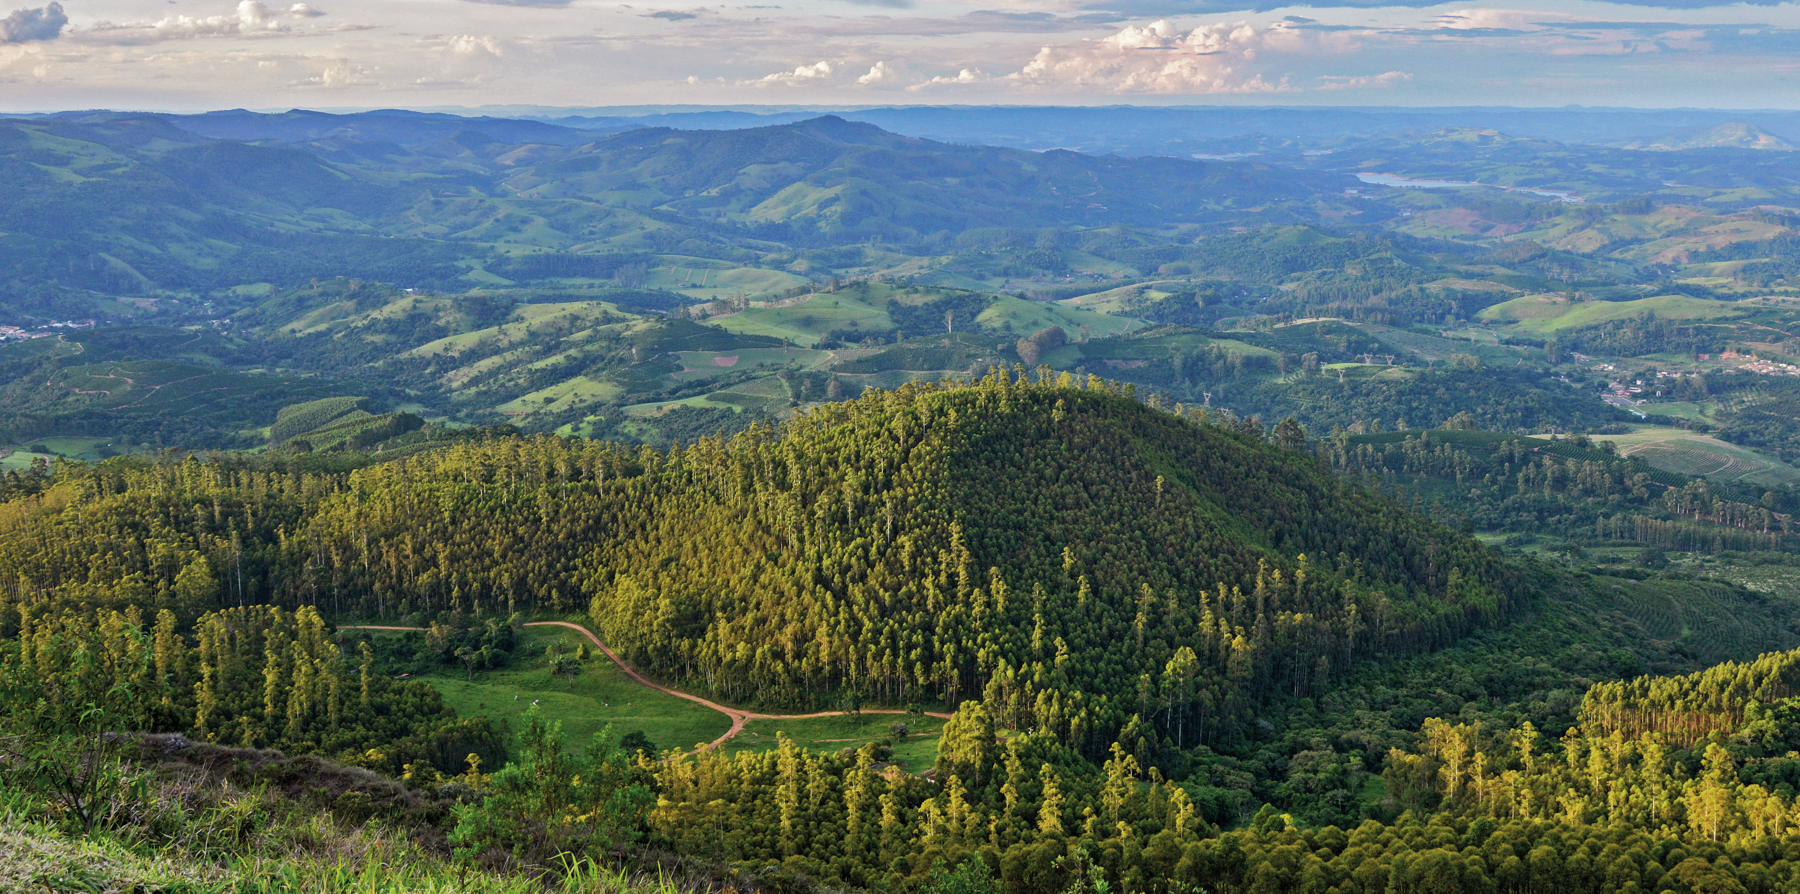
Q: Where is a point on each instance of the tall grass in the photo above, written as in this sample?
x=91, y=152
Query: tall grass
x=379, y=874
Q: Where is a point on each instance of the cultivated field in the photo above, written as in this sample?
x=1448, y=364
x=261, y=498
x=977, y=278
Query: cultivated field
x=1687, y=453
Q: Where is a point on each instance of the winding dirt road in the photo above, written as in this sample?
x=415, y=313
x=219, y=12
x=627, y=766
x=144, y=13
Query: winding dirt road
x=738, y=717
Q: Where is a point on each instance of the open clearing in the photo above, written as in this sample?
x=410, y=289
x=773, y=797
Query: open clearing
x=711, y=364
x=602, y=694
x=805, y=323
x=1553, y=313
x=697, y=278
x=17, y=460
x=1021, y=317
x=914, y=753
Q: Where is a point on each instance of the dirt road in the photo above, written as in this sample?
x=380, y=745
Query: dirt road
x=738, y=717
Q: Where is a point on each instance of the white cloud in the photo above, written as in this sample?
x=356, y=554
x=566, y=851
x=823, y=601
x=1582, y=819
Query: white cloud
x=1161, y=58
x=1362, y=82
x=879, y=73
x=470, y=45
x=1455, y=54
x=1156, y=35
x=340, y=74
x=251, y=18
x=817, y=72
x=966, y=76
x=1485, y=19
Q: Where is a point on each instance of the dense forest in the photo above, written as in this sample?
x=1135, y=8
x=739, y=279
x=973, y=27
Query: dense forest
x=1577, y=487
x=937, y=544
x=933, y=543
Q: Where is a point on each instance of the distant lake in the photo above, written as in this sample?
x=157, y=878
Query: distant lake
x=1391, y=180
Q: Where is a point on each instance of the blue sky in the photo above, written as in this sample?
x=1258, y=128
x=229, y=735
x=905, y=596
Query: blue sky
x=207, y=54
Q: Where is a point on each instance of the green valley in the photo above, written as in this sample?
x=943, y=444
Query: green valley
x=396, y=501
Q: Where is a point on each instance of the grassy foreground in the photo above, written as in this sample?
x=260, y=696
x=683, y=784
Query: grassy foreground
x=227, y=821
x=35, y=858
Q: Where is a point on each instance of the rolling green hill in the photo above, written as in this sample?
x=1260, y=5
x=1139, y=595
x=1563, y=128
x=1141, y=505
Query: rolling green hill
x=970, y=493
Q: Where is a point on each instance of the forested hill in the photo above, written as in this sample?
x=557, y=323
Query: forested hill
x=846, y=182
x=136, y=205
x=1003, y=538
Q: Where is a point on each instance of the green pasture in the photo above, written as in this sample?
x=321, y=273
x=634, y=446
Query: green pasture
x=1681, y=409
x=527, y=322
x=1553, y=313
x=801, y=199
x=712, y=401
x=709, y=364
x=915, y=753
x=709, y=279
x=808, y=321
x=1434, y=348
x=894, y=378
x=1113, y=301
x=1023, y=317
x=1088, y=263
x=599, y=696
x=1162, y=346
x=74, y=448
x=1370, y=372
x=574, y=392
x=16, y=460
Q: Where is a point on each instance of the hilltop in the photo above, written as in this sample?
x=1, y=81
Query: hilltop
x=1032, y=526
x=1734, y=135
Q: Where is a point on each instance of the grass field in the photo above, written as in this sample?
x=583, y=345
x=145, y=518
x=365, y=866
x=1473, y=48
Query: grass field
x=1698, y=412
x=1435, y=349
x=914, y=753
x=725, y=402
x=599, y=696
x=528, y=322
x=1687, y=453
x=704, y=279
x=710, y=364
x=575, y=392
x=84, y=449
x=16, y=460
x=1553, y=313
x=805, y=323
x=1026, y=317
x=1367, y=371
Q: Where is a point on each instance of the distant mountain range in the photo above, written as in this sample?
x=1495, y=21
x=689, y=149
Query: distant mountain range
x=1122, y=130
x=128, y=203
x=1724, y=136
x=1132, y=130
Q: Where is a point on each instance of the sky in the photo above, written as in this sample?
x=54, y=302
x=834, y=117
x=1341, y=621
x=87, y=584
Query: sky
x=189, y=55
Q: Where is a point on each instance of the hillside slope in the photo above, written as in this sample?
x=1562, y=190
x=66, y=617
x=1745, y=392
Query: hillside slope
x=924, y=544
x=848, y=181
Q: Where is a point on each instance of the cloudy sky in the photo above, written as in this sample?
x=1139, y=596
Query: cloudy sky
x=209, y=54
